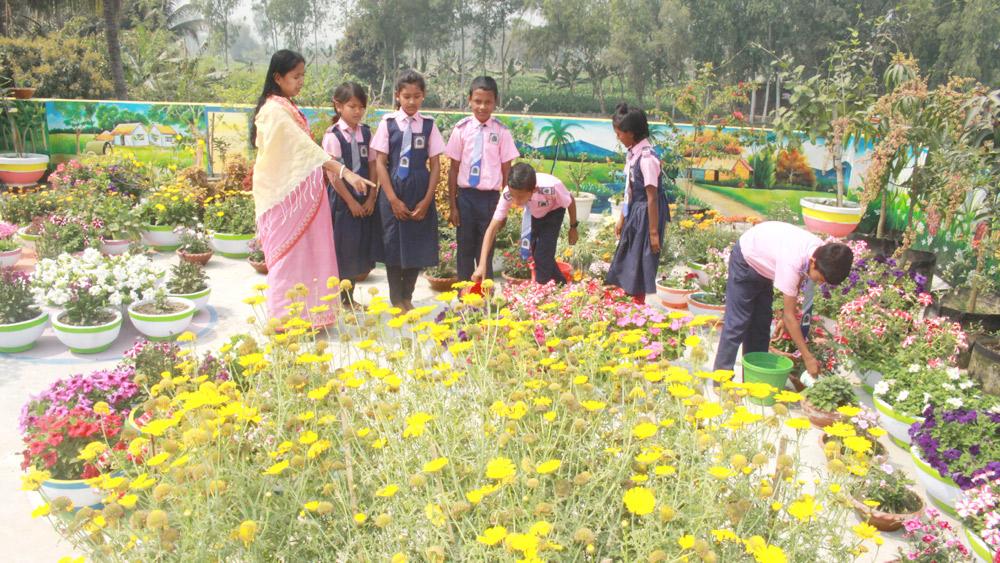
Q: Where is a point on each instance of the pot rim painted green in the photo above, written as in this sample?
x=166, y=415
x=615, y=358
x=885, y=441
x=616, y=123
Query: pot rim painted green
x=72, y=329
x=925, y=468
x=159, y=228
x=165, y=318
x=886, y=409
x=977, y=547
x=23, y=233
x=232, y=236
x=30, y=323
x=195, y=295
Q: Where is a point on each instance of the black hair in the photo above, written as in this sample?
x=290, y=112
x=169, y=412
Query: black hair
x=282, y=62
x=485, y=83
x=521, y=177
x=631, y=119
x=834, y=261
x=409, y=76
x=344, y=93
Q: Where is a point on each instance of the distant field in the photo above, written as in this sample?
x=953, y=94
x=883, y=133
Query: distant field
x=63, y=147
x=763, y=201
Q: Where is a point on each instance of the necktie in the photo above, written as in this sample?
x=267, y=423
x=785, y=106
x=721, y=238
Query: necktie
x=355, y=153
x=404, y=155
x=477, y=157
x=628, y=187
x=526, y=232
x=808, y=296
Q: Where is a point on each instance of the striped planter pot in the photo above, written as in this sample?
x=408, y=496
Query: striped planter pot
x=10, y=258
x=115, y=247
x=28, y=240
x=161, y=237
x=869, y=379
x=895, y=423
x=941, y=490
x=673, y=297
x=88, y=339
x=199, y=298
x=983, y=552
x=698, y=307
x=20, y=337
x=232, y=245
x=24, y=170
x=166, y=326
x=76, y=490
x=822, y=215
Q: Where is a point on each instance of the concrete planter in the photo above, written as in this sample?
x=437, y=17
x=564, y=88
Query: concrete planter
x=88, y=339
x=199, y=298
x=166, y=326
x=10, y=258
x=20, y=337
x=823, y=215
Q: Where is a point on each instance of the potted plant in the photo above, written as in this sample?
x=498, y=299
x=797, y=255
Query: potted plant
x=673, y=289
x=256, y=257
x=929, y=538
x=516, y=270
x=188, y=281
x=884, y=498
x=20, y=168
x=443, y=276
x=10, y=249
x=164, y=211
x=956, y=450
x=856, y=421
x=822, y=400
x=162, y=317
x=231, y=222
x=579, y=173
x=602, y=195
x=195, y=247
x=62, y=234
x=21, y=320
x=979, y=509
x=711, y=300
x=117, y=223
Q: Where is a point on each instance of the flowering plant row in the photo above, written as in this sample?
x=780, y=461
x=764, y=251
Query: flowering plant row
x=962, y=444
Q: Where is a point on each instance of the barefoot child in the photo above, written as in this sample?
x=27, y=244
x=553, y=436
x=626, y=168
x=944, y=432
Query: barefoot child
x=408, y=145
x=481, y=150
x=357, y=226
x=645, y=213
x=767, y=256
x=545, y=200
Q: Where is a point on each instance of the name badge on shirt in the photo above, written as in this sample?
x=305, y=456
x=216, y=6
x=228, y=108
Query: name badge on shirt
x=494, y=139
x=363, y=151
x=419, y=141
x=542, y=203
x=546, y=190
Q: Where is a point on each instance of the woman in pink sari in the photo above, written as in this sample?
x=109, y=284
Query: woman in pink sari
x=293, y=211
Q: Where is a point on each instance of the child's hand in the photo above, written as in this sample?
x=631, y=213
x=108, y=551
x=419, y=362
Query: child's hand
x=369, y=206
x=453, y=217
x=573, y=235
x=355, y=208
x=654, y=243
x=618, y=227
x=420, y=211
x=479, y=274
x=360, y=185
x=399, y=209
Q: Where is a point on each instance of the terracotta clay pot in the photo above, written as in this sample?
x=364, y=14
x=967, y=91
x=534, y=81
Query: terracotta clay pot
x=885, y=521
x=201, y=258
x=441, y=284
x=261, y=267
x=819, y=418
x=513, y=280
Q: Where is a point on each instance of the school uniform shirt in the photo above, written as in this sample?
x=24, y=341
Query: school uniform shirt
x=498, y=148
x=780, y=252
x=332, y=145
x=550, y=194
x=380, y=141
x=649, y=164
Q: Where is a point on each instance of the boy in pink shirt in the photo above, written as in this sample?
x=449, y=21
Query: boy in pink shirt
x=545, y=201
x=481, y=150
x=775, y=255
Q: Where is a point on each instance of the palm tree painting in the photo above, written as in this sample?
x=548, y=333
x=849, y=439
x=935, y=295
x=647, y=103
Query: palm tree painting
x=556, y=133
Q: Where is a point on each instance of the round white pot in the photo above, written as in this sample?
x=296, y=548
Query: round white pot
x=88, y=339
x=26, y=239
x=895, y=423
x=23, y=170
x=231, y=245
x=584, y=201
x=942, y=491
x=199, y=298
x=77, y=491
x=20, y=337
x=115, y=247
x=822, y=215
x=162, y=327
x=698, y=307
x=10, y=258
x=161, y=237
x=672, y=296
x=982, y=552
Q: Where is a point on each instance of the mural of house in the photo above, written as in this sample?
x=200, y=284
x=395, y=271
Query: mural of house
x=130, y=135
x=720, y=169
x=162, y=135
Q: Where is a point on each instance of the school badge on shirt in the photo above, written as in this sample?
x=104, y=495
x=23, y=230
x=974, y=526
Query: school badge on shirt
x=419, y=141
x=363, y=151
x=494, y=139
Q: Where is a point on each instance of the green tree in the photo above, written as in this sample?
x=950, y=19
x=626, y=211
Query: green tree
x=78, y=116
x=191, y=117
x=218, y=14
x=557, y=133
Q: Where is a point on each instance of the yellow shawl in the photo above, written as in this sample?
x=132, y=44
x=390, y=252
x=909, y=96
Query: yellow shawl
x=286, y=155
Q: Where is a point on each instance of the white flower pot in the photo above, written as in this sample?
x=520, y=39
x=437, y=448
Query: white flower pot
x=161, y=237
x=584, y=201
x=982, y=552
x=76, y=490
x=23, y=170
x=26, y=239
x=673, y=297
x=941, y=490
x=19, y=337
x=869, y=379
x=822, y=215
x=10, y=258
x=88, y=339
x=232, y=245
x=895, y=423
x=697, y=307
x=199, y=298
x=162, y=327
x=115, y=247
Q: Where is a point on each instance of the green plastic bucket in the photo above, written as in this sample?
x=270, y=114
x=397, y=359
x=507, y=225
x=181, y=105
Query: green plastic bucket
x=764, y=367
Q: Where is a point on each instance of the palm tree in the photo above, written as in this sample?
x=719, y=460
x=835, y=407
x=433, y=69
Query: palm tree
x=556, y=132
x=112, y=14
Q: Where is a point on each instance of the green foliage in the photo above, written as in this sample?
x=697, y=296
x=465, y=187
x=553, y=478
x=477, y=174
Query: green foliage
x=830, y=393
x=16, y=301
x=57, y=66
x=763, y=165
x=233, y=214
x=187, y=278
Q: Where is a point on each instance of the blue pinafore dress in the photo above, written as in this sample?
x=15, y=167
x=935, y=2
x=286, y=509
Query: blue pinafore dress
x=357, y=240
x=634, y=266
x=409, y=244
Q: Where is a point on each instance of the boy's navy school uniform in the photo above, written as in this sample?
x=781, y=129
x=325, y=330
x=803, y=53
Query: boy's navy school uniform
x=540, y=225
x=408, y=246
x=481, y=150
x=634, y=265
x=357, y=240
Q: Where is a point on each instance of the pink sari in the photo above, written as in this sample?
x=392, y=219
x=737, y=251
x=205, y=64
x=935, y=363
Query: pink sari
x=297, y=239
